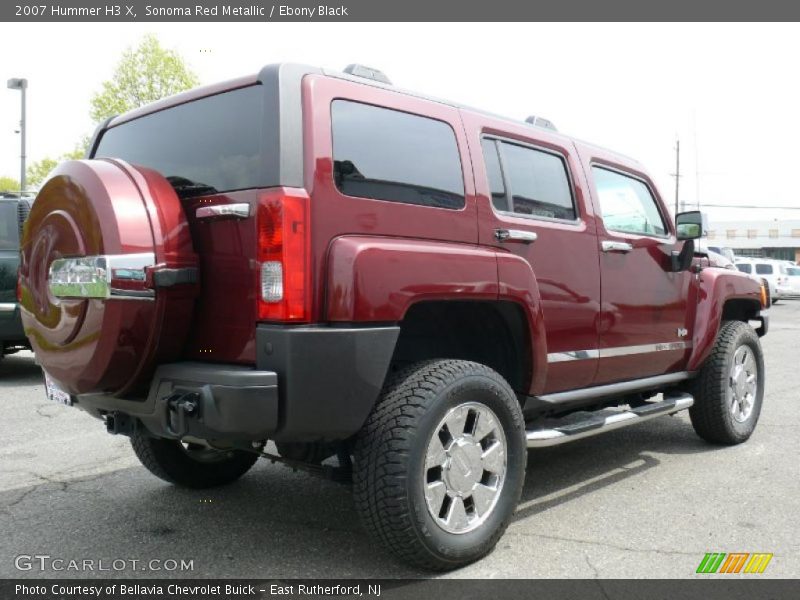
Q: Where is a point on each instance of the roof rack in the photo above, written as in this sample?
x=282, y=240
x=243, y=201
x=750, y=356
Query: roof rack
x=367, y=73
x=541, y=122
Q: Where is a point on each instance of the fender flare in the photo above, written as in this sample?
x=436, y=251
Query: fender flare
x=376, y=279
x=716, y=287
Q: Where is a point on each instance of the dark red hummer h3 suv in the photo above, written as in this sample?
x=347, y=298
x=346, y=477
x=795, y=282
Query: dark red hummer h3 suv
x=411, y=289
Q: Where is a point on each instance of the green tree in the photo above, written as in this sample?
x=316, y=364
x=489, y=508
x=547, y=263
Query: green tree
x=144, y=74
x=8, y=184
x=38, y=171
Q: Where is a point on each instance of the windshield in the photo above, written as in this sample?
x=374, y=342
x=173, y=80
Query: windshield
x=793, y=271
x=9, y=226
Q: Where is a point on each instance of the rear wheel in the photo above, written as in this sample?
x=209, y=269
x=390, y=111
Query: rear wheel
x=190, y=465
x=729, y=389
x=440, y=463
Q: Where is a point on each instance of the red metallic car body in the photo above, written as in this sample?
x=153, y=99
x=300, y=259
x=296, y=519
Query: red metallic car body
x=573, y=296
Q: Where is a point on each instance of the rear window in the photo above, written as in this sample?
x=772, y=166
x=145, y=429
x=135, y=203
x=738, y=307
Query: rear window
x=763, y=269
x=9, y=226
x=745, y=268
x=386, y=154
x=210, y=145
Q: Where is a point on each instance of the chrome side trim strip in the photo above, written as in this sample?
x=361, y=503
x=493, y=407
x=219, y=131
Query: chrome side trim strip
x=555, y=357
x=104, y=276
x=643, y=349
x=612, y=389
x=235, y=211
x=7, y=307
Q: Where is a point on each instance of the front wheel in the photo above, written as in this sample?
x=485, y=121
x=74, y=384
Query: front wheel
x=729, y=390
x=440, y=463
x=188, y=464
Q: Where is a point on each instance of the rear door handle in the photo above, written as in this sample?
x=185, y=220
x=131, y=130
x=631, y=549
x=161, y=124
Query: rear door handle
x=232, y=211
x=515, y=235
x=611, y=246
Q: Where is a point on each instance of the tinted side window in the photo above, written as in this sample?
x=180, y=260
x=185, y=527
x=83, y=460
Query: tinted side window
x=495, y=174
x=391, y=155
x=763, y=269
x=627, y=204
x=745, y=268
x=209, y=145
x=538, y=181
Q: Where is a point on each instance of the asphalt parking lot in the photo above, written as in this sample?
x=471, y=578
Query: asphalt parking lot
x=648, y=501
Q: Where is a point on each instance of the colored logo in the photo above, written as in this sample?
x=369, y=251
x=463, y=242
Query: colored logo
x=735, y=562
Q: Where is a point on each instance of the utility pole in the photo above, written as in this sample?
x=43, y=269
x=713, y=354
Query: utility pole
x=677, y=173
x=21, y=85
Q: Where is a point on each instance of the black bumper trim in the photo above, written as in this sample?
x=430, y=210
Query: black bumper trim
x=329, y=378
x=764, y=318
x=309, y=384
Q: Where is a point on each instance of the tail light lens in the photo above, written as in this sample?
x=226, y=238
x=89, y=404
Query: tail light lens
x=284, y=270
x=763, y=296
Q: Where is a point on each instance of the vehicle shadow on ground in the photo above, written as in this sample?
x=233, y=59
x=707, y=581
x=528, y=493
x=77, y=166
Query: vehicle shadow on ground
x=560, y=474
x=276, y=523
x=20, y=369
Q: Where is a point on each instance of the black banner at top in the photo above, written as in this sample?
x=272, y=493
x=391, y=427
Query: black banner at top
x=396, y=10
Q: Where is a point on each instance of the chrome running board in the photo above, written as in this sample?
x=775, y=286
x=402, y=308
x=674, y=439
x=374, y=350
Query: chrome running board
x=585, y=424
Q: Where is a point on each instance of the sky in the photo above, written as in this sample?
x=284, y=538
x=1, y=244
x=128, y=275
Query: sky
x=729, y=92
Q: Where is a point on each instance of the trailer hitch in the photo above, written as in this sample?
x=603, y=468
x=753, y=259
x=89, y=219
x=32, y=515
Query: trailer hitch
x=181, y=406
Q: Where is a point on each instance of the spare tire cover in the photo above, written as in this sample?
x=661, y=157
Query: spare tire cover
x=101, y=325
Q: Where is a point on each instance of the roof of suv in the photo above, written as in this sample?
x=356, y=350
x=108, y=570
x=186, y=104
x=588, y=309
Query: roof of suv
x=216, y=88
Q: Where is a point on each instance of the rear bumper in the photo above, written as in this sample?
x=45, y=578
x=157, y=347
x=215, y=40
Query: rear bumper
x=309, y=383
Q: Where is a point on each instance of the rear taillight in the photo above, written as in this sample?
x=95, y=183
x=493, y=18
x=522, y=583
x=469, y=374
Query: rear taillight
x=284, y=270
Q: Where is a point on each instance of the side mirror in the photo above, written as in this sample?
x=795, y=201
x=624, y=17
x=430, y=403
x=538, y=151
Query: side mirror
x=691, y=225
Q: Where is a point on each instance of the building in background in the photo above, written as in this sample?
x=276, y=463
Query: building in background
x=770, y=239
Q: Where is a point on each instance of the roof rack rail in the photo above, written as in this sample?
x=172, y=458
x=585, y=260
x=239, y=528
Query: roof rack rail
x=367, y=73
x=541, y=122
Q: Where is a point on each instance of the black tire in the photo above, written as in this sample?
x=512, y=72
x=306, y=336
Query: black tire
x=192, y=466
x=712, y=415
x=390, y=475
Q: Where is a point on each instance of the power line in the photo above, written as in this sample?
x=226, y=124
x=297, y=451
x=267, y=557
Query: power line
x=756, y=206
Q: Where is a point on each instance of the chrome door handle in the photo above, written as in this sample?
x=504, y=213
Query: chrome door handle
x=610, y=246
x=515, y=235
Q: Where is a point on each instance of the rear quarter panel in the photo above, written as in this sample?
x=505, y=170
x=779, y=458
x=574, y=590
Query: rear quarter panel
x=334, y=215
